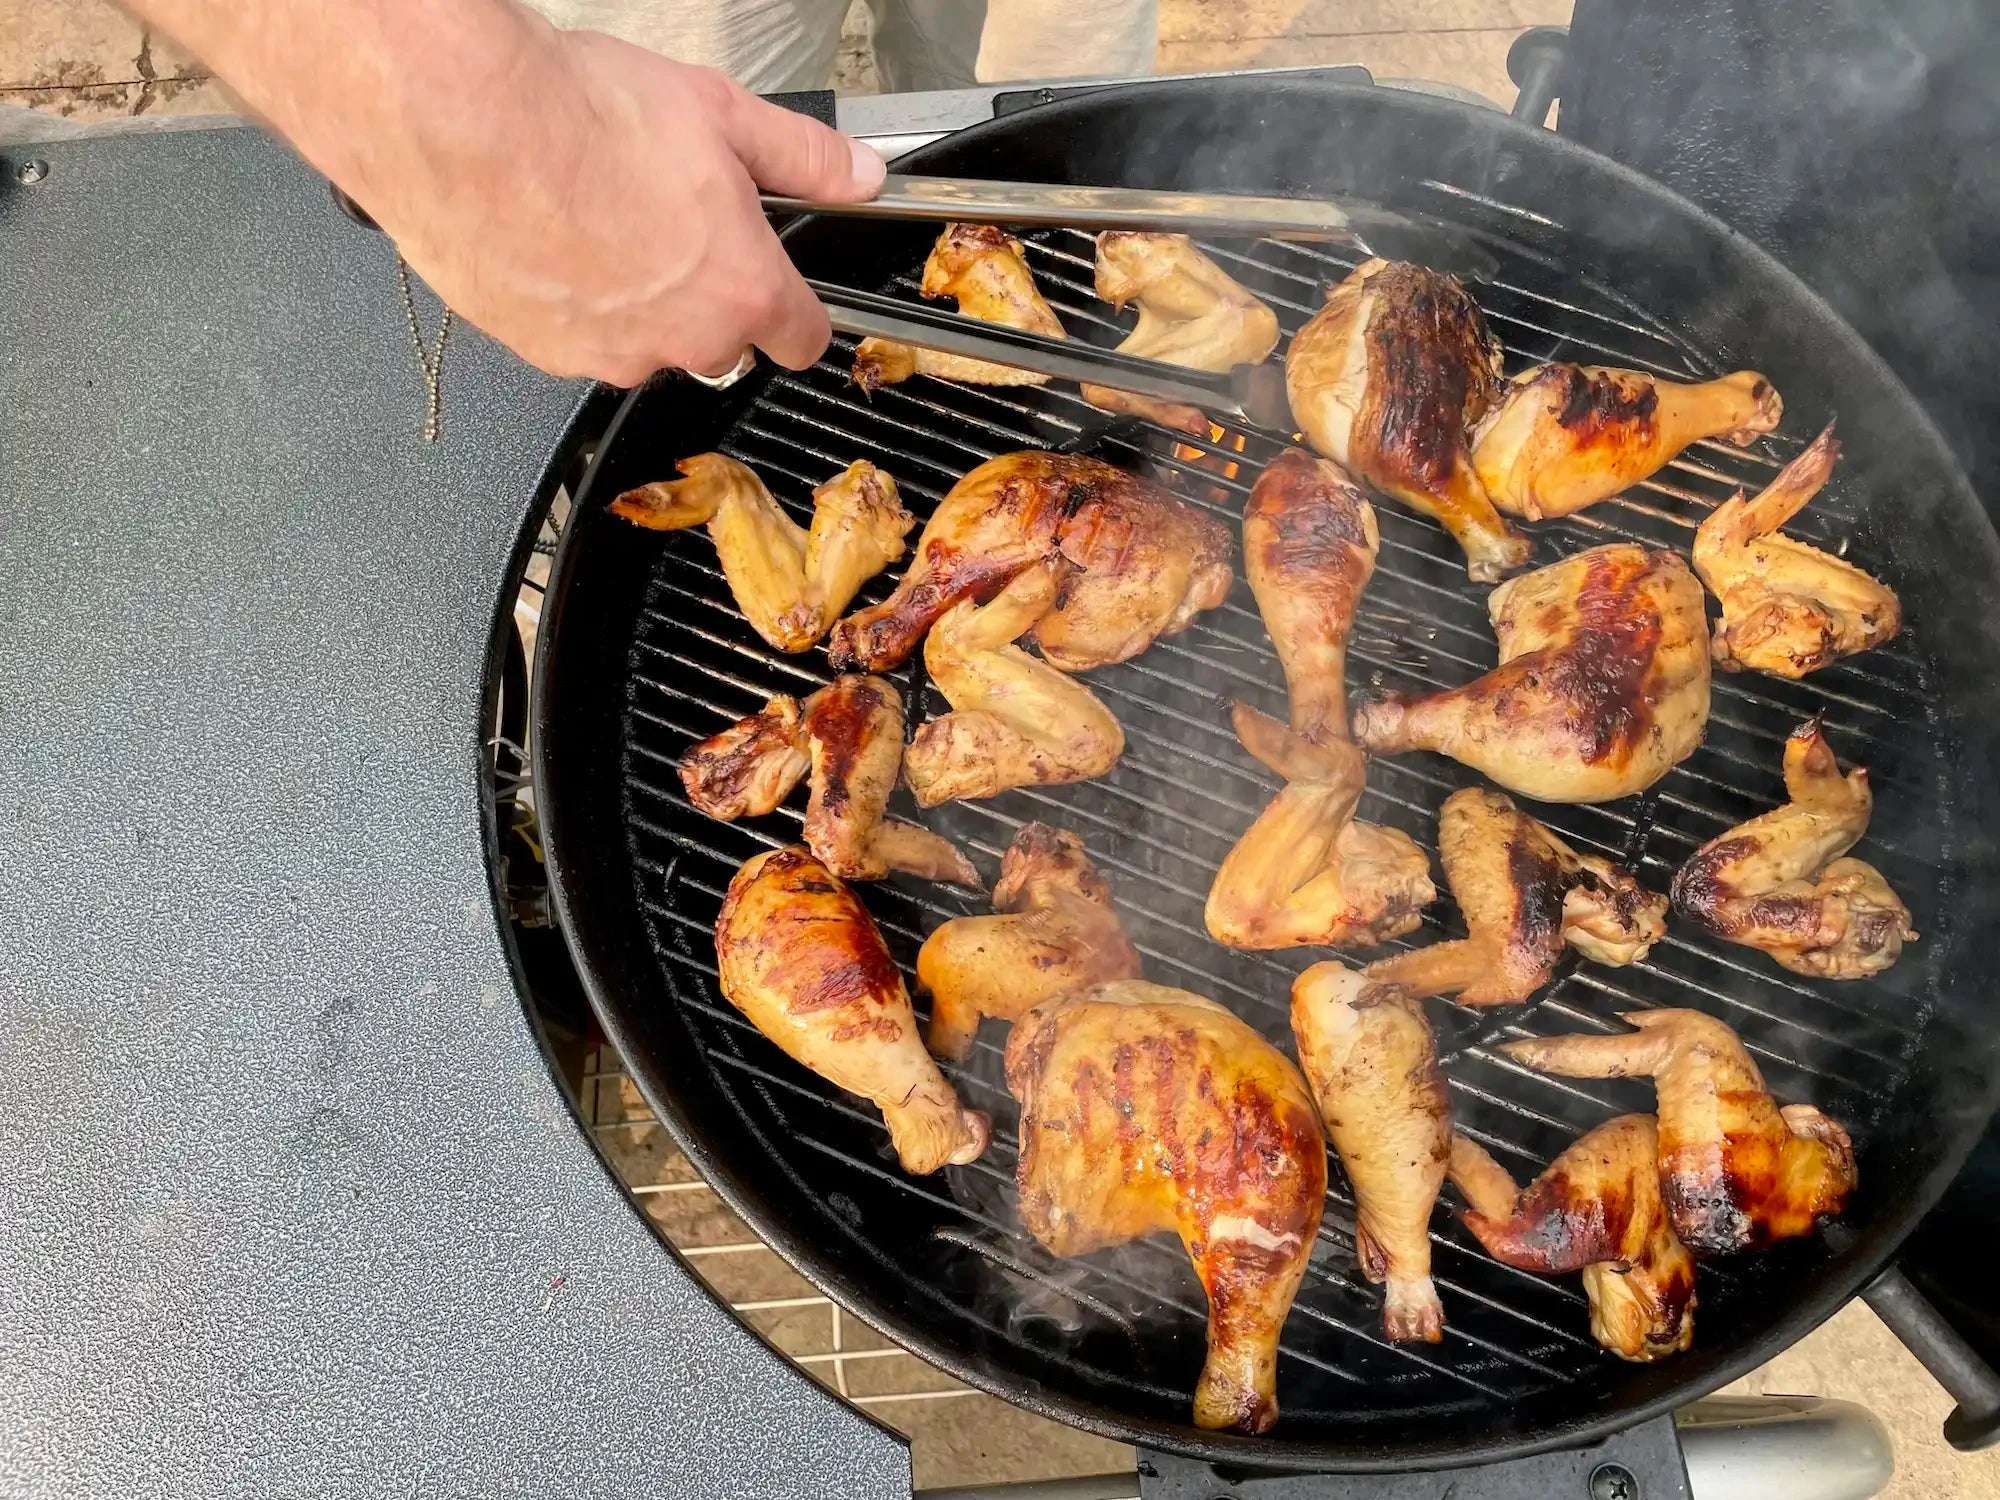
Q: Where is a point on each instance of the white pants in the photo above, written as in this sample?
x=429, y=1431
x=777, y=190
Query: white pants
x=773, y=45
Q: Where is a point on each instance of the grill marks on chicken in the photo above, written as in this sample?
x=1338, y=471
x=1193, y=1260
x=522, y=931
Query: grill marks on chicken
x=798, y=954
x=1524, y=894
x=1788, y=608
x=1562, y=437
x=1602, y=686
x=1737, y=1172
x=1053, y=930
x=1190, y=313
x=849, y=736
x=1779, y=882
x=1372, y=1062
x=1598, y=1209
x=791, y=583
x=1140, y=563
x=987, y=273
x=1386, y=379
x=1145, y=1109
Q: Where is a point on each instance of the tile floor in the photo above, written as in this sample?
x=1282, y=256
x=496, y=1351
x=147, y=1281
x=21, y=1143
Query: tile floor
x=86, y=59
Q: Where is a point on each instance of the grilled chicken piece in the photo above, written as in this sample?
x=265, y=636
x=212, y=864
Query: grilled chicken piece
x=1737, y=1172
x=1015, y=721
x=850, y=737
x=1524, y=893
x=1053, y=930
x=1309, y=545
x=1146, y=1109
x=1372, y=1061
x=1787, y=608
x=798, y=954
x=1778, y=882
x=1602, y=686
x=1145, y=563
x=1596, y=1209
x=790, y=583
x=1386, y=379
x=1567, y=436
x=1305, y=872
x=987, y=273
x=1190, y=313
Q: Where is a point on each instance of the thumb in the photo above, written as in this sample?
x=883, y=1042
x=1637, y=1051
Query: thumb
x=799, y=157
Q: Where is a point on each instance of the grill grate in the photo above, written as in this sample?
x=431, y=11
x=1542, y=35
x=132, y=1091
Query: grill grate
x=1127, y=1325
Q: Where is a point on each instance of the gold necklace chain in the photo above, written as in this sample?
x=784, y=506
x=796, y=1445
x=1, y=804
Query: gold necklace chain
x=430, y=361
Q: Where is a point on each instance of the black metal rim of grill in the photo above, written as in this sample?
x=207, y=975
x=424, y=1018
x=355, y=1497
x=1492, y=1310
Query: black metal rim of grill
x=638, y=656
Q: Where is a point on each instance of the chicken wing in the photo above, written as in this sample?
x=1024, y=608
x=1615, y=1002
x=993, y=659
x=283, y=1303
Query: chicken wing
x=1778, y=882
x=798, y=954
x=849, y=735
x=1145, y=563
x=1190, y=313
x=1372, y=1061
x=1566, y=436
x=1053, y=930
x=1787, y=608
x=1524, y=893
x=1736, y=1171
x=790, y=583
x=1015, y=721
x=1386, y=379
x=1146, y=1109
x=1309, y=545
x=1305, y=872
x=987, y=272
x=1602, y=686
x=1596, y=1209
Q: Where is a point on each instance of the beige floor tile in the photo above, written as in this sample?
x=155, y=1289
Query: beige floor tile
x=795, y=1330
x=897, y=1375
x=980, y=1440
x=1234, y=20
x=696, y=1219
x=1475, y=60
x=74, y=43
x=192, y=96
x=757, y=1276
x=104, y=101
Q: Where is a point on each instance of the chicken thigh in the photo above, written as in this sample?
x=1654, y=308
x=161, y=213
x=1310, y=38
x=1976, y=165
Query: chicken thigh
x=1142, y=563
x=1602, y=686
x=1386, y=379
x=1145, y=1109
x=1524, y=894
x=1597, y=1209
x=1053, y=930
x=1566, y=436
x=1190, y=313
x=1305, y=872
x=790, y=583
x=1372, y=1061
x=987, y=273
x=798, y=954
x=1737, y=1171
x=1788, y=608
x=1778, y=882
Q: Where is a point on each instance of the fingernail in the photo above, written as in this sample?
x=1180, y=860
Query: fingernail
x=869, y=168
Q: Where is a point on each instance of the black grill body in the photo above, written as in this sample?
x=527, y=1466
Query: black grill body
x=643, y=652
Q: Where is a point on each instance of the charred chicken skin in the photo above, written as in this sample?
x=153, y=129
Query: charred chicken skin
x=1190, y=313
x=790, y=583
x=1597, y=1209
x=1146, y=1109
x=798, y=954
x=1602, y=686
x=1015, y=721
x=1385, y=381
x=1566, y=436
x=1737, y=1172
x=1779, y=883
x=1053, y=930
x=1309, y=545
x=1788, y=608
x=1524, y=894
x=1139, y=564
x=849, y=737
x=987, y=274
x=1306, y=872
x=1372, y=1062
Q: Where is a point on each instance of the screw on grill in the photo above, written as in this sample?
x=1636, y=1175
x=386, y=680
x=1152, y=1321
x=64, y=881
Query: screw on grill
x=1613, y=1482
x=31, y=172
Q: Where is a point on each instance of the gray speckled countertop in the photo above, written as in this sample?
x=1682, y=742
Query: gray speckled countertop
x=287, y=1182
